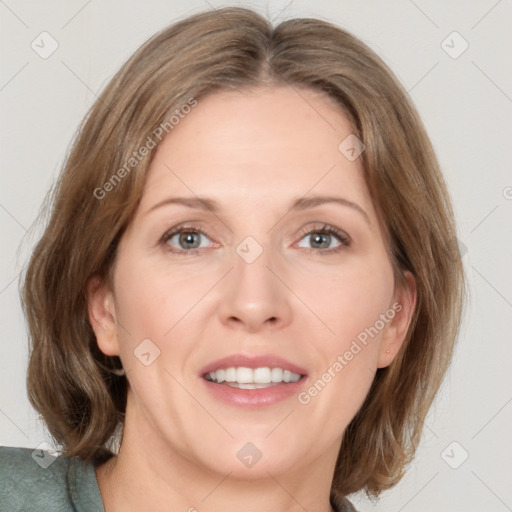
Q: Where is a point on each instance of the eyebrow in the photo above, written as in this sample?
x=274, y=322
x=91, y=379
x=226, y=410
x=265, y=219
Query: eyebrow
x=299, y=204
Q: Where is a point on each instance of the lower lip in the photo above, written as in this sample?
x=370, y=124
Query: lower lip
x=254, y=398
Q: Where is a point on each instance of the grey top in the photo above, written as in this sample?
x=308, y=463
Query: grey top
x=35, y=480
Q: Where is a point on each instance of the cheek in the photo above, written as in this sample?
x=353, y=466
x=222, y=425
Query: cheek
x=352, y=305
x=351, y=299
x=151, y=300
x=347, y=359
x=336, y=395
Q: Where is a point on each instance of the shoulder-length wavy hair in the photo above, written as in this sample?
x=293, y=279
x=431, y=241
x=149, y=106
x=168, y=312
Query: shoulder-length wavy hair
x=76, y=388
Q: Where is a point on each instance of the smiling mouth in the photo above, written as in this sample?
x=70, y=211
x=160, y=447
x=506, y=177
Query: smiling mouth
x=252, y=378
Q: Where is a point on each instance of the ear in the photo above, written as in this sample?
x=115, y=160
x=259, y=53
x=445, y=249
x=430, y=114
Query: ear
x=102, y=316
x=403, y=306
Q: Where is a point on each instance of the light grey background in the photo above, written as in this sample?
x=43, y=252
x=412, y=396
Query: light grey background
x=466, y=105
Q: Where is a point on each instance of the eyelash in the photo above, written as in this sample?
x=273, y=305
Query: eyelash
x=326, y=229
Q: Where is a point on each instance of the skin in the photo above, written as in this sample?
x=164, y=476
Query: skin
x=252, y=152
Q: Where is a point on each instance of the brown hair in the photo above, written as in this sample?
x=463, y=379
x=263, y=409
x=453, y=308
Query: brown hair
x=74, y=386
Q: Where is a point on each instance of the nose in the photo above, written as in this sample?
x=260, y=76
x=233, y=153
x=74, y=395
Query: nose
x=254, y=296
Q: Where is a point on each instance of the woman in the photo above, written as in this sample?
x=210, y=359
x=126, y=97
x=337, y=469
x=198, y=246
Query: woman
x=248, y=274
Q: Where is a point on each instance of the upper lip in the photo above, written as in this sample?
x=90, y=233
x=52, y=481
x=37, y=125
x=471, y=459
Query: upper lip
x=253, y=361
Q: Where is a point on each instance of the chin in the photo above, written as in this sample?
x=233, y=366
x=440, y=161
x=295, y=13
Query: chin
x=251, y=460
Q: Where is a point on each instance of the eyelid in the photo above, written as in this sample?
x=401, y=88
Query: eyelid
x=343, y=237
x=328, y=228
x=180, y=228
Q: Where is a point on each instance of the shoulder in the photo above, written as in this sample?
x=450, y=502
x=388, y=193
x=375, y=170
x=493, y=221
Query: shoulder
x=32, y=479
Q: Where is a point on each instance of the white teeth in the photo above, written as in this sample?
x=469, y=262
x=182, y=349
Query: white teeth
x=290, y=377
x=277, y=375
x=262, y=375
x=230, y=374
x=248, y=378
x=244, y=375
x=250, y=386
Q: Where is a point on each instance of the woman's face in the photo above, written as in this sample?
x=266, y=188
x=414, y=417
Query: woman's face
x=240, y=276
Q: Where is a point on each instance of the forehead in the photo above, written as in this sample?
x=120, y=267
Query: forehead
x=251, y=146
